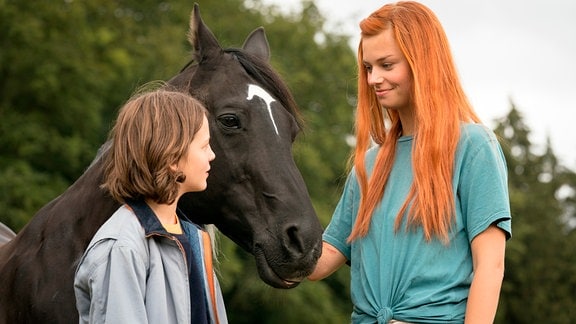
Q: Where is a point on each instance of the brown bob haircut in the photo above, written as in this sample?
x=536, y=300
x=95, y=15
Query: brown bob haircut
x=152, y=133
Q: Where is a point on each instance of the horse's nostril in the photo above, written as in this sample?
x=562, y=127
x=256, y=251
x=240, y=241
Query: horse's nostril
x=294, y=239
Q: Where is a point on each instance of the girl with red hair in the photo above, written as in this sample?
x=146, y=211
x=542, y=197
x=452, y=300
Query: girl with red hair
x=425, y=214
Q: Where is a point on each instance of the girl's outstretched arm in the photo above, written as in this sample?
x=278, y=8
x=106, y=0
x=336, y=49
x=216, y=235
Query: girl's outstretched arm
x=330, y=261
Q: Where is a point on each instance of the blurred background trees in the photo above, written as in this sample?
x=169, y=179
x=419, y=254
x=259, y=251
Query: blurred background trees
x=540, y=278
x=66, y=66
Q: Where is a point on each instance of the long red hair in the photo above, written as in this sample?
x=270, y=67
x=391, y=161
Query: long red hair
x=440, y=105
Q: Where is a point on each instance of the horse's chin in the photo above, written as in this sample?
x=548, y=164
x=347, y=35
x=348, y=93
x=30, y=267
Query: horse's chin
x=270, y=277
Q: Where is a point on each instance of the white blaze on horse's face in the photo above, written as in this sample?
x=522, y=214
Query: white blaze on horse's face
x=256, y=91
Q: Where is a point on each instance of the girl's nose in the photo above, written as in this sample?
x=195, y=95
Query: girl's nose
x=375, y=79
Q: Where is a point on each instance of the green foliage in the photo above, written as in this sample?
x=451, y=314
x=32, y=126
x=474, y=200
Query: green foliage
x=539, y=284
x=17, y=201
x=65, y=68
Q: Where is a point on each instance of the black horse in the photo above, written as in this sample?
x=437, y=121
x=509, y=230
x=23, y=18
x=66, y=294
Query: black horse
x=256, y=196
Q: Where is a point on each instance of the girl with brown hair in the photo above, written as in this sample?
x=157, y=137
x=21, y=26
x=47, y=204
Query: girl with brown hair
x=148, y=263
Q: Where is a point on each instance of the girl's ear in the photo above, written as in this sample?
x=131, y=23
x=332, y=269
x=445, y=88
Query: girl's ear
x=179, y=175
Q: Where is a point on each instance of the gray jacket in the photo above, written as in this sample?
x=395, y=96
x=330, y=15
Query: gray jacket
x=133, y=271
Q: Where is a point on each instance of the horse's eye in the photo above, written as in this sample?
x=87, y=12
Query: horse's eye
x=229, y=121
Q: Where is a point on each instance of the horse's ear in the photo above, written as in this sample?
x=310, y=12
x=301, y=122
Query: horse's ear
x=257, y=44
x=201, y=38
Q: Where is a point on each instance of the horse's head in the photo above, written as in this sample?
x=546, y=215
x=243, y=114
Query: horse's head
x=256, y=195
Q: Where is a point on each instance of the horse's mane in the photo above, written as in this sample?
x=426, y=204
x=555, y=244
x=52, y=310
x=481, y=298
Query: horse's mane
x=6, y=234
x=103, y=149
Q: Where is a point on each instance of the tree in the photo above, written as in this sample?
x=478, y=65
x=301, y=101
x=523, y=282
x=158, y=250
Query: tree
x=539, y=284
x=65, y=68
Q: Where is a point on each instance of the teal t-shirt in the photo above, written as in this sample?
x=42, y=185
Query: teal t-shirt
x=399, y=275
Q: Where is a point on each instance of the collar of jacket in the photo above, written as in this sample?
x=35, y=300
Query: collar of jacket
x=148, y=219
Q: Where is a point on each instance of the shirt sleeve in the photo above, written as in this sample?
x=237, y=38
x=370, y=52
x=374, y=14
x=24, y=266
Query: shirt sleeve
x=483, y=183
x=340, y=227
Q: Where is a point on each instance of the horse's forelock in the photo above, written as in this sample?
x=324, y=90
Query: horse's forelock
x=270, y=80
x=256, y=68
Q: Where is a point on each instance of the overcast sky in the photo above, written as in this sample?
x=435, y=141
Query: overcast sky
x=519, y=50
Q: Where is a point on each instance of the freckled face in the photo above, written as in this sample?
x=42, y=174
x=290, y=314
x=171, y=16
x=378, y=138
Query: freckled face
x=196, y=163
x=387, y=71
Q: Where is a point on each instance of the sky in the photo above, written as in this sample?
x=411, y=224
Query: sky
x=520, y=51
